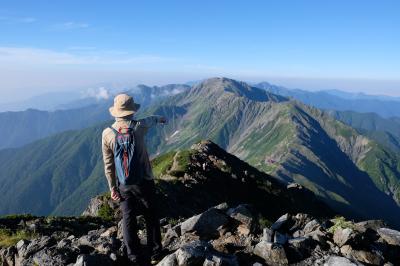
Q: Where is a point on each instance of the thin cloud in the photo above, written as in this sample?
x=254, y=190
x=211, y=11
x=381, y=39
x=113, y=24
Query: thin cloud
x=71, y=25
x=17, y=20
x=81, y=48
x=22, y=56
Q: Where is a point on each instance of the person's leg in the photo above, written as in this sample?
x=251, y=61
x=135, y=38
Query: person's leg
x=151, y=217
x=129, y=225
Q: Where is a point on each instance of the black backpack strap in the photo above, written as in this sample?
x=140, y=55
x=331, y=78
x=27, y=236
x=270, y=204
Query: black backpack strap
x=114, y=130
x=132, y=124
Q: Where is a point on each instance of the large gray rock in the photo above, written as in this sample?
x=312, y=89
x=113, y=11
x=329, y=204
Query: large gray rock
x=280, y=239
x=244, y=214
x=369, y=224
x=54, y=257
x=301, y=244
x=272, y=253
x=267, y=235
x=207, y=224
x=319, y=236
x=169, y=260
x=391, y=236
x=364, y=256
x=283, y=220
x=221, y=261
x=198, y=253
x=339, y=261
x=35, y=245
x=342, y=236
x=8, y=256
x=311, y=226
x=93, y=260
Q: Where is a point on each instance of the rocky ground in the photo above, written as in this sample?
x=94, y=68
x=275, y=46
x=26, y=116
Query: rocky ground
x=219, y=236
x=255, y=221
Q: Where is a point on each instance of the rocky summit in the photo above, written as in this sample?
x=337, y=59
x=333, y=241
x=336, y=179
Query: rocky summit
x=216, y=210
x=221, y=235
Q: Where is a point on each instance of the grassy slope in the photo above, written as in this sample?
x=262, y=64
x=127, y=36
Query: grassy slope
x=307, y=146
x=52, y=169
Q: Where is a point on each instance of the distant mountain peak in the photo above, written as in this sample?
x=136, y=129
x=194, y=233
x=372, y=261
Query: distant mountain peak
x=223, y=85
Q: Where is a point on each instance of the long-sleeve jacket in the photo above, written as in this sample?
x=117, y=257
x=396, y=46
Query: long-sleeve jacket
x=108, y=141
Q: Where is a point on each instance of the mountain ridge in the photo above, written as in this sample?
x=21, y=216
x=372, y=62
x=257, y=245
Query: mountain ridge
x=285, y=138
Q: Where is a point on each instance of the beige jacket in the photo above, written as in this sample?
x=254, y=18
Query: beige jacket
x=108, y=141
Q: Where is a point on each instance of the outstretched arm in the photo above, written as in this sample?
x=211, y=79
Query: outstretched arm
x=151, y=121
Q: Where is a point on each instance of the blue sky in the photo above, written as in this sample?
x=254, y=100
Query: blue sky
x=49, y=45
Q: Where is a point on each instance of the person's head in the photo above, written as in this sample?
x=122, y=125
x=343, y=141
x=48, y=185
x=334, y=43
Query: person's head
x=124, y=106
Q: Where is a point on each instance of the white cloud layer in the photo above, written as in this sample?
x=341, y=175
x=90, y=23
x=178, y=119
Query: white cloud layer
x=23, y=56
x=100, y=93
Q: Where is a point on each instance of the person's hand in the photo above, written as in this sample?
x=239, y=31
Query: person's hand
x=115, y=194
x=163, y=120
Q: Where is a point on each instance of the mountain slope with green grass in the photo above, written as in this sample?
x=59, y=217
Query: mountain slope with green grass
x=287, y=139
x=385, y=131
x=38, y=177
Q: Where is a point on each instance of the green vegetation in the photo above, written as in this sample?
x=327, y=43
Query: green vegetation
x=264, y=222
x=54, y=168
x=9, y=238
x=173, y=221
x=181, y=163
x=162, y=163
x=19, y=217
x=106, y=212
x=340, y=222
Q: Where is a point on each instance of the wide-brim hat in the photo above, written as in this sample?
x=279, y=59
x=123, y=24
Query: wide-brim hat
x=123, y=106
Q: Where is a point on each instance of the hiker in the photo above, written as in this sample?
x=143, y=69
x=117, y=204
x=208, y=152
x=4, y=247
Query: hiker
x=130, y=178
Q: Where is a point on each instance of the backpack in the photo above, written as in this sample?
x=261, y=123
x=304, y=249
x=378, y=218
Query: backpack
x=124, y=154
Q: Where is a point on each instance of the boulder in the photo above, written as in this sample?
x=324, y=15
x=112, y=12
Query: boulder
x=191, y=255
x=392, y=237
x=54, y=257
x=299, y=221
x=35, y=245
x=207, y=225
x=93, y=260
x=363, y=256
x=319, y=236
x=245, y=215
x=301, y=244
x=267, y=235
x=272, y=253
x=281, y=222
x=373, y=225
x=171, y=235
x=311, y=226
x=229, y=243
x=200, y=253
x=280, y=239
x=8, y=256
x=221, y=261
x=342, y=236
x=110, y=232
x=169, y=260
x=339, y=261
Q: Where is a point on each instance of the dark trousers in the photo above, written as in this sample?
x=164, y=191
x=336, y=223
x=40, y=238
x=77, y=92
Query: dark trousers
x=136, y=200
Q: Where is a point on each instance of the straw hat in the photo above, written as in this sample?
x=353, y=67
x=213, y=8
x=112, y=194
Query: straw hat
x=123, y=106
